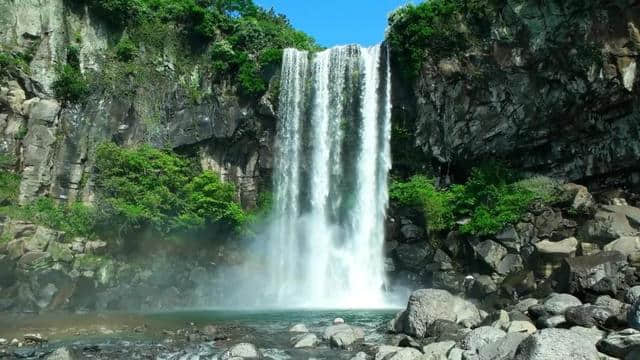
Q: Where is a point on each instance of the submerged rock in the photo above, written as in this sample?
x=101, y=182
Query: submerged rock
x=299, y=328
x=305, y=341
x=242, y=351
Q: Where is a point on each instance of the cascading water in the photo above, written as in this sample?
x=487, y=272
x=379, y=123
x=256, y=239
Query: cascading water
x=330, y=179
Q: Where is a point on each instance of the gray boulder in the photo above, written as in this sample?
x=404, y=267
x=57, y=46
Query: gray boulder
x=608, y=224
x=603, y=273
x=633, y=316
x=490, y=252
x=411, y=232
x=591, y=333
x=632, y=295
x=428, y=305
x=62, y=354
x=566, y=247
x=403, y=354
x=413, y=257
x=299, y=328
x=557, y=304
x=548, y=322
x=305, y=341
x=503, y=349
x=588, y=315
x=242, y=351
x=342, y=335
x=581, y=200
x=556, y=344
x=617, y=306
x=620, y=343
x=509, y=238
x=437, y=350
x=628, y=246
x=480, y=337
x=509, y=264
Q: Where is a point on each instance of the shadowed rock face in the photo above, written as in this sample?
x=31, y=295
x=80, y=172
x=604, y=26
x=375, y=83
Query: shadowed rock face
x=553, y=90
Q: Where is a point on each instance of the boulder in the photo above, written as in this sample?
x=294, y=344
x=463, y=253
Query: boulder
x=412, y=233
x=480, y=337
x=299, y=328
x=62, y=353
x=97, y=247
x=557, y=304
x=437, y=350
x=342, y=335
x=551, y=254
x=403, y=354
x=616, y=306
x=524, y=305
x=242, y=351
x=509, y=264
x=549, y=322
x=428, y=305
x=305, y=341
x=498, y=319
x=509, y=238
x=582, y=201
x=519, y=326
x=384, y=350
x=41, y=239
x=607, y=225
x=360, y=356
x=490, y=252
x=591, y=333
x=633, y=316
x=60, y=252
x=588, y=315
x=548, y=221
x=620, y=343
x=628, y=246
x=483, y=285
x=502, y=349
x=556, y=344
x=445, y=330
x=632, y=295
x=600, y=274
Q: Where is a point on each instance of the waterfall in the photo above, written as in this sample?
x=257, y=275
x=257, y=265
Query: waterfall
x=330, y=179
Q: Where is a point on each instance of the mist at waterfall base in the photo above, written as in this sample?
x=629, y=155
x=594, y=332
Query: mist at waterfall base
x=322, y=247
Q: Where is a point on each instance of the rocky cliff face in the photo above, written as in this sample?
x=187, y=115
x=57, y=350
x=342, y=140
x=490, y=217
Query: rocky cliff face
x=53, y=141
x=553, y=90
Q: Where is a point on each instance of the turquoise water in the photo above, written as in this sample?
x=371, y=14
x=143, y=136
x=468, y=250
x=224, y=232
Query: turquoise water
x=148, y=333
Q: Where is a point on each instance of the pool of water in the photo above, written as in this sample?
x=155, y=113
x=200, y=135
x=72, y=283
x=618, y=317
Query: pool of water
x=160, y=335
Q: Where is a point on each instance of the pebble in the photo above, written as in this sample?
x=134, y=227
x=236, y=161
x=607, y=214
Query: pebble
x=337, y=321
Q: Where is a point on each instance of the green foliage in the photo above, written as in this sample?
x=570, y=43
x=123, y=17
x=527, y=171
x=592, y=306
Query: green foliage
x=250, y=80
x=75, y=219
x=420, y=193
x=436, y=29
x=70, y=84
x=12, y=63
x=126, y=50
x=491, y=198
x=146, y=187
x=9, y=181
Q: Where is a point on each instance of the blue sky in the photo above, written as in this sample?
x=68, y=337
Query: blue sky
x=338, y=22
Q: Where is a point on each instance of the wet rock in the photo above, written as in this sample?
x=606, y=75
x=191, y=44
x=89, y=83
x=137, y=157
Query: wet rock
x=556, y=344
x=620, y=343
x=632, y=295
x=588, y=315
x=337, y=321
x=34, y=339
x=412, y=233
x=305, y=341
x=242, y=351
x=61, y=354
x=299, y=328
x=342, y=335
x=428, y=305
x=413, y=257
x=480, y=337
x=633, y=316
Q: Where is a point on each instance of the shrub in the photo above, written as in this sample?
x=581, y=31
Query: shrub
x=9, y=181
x=491, y=198
x=420, y=193
x=250, y=80
x=70, y=84
x=145, y=187
x=75, y=219
x=436, y=28
x=126, y=50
